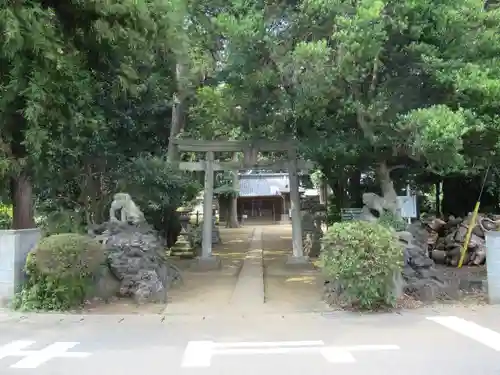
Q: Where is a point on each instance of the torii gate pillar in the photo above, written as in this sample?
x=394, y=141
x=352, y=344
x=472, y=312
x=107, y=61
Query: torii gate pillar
x=297, y=256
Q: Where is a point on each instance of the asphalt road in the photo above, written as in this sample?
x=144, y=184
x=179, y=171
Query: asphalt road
x=457, y=342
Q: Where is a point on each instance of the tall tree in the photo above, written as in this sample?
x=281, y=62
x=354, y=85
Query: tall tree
x=73, y=73
x=369, y=83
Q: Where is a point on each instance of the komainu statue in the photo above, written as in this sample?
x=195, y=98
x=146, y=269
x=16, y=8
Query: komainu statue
x=128, y=210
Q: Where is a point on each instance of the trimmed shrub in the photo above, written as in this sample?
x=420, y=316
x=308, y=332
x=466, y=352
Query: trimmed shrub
x=60, y=272
x=390, y=220
x=363, y=261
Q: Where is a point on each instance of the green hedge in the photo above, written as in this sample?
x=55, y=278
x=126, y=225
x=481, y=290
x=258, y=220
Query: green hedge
x=362, y=259
x=60, y=272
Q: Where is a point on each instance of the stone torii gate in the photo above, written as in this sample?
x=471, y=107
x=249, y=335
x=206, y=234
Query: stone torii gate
x=250, y=150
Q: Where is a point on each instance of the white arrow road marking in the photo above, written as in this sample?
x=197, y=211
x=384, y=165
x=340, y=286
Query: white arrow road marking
x=200, y=353
x=469, y=329
x=34, y=358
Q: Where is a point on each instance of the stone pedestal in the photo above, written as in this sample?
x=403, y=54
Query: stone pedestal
x=295, y=261
x=209, y=263
x=15, y=246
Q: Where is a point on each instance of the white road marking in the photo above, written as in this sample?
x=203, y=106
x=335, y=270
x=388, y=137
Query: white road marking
x=34, y=358
x=470, y=329
x=337, y=355
x=199, y=353
x=267, y=344
x=14, y=348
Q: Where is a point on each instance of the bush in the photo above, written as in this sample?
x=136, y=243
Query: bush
x=5, y=216
x=390, y=220
x=60, y=272
x=333, y=213
x=364, y=261
x=62, y=221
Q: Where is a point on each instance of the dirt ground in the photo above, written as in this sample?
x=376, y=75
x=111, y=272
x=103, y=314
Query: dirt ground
x=200, y=291
x=209, y=291
x=289, y=288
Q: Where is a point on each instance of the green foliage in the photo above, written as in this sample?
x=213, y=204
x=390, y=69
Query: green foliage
x=154, y=183
x=333, y=212
x=362, y=258
x=60, y=272
x=358, y=82
x=392, y=221
x=5, y=217
x=158, y=188
x=316, y=177
x=62, y=221
x=224, y=185
x=84, y=87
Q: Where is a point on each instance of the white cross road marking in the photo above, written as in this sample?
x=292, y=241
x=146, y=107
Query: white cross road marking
x=200, y=353
x=469, y=329
x=34, y=358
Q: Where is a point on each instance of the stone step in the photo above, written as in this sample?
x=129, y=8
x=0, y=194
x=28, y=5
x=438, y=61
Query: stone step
x=249, y=290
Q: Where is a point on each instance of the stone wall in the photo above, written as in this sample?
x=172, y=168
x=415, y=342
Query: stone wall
x=15, y=246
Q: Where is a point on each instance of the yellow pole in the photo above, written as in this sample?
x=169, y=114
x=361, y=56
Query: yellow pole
x=472, y=224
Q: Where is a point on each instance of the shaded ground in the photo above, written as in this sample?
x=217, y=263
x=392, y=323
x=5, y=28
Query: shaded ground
x=209, y=291
x=468, y=281
x=201, y=291
x=289, y=288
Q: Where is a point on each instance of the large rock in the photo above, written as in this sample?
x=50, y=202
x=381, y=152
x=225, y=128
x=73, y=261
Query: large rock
x=135, y=256
x=419, y=272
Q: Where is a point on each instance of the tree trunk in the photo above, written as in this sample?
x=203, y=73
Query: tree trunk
x=178, y=113
x=21, y=191
x=355, y=188
x=233, y=214
x=387, y=187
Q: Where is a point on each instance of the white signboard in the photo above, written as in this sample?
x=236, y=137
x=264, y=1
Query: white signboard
x=200, y=353
x=260, y=186
x=407, y=204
